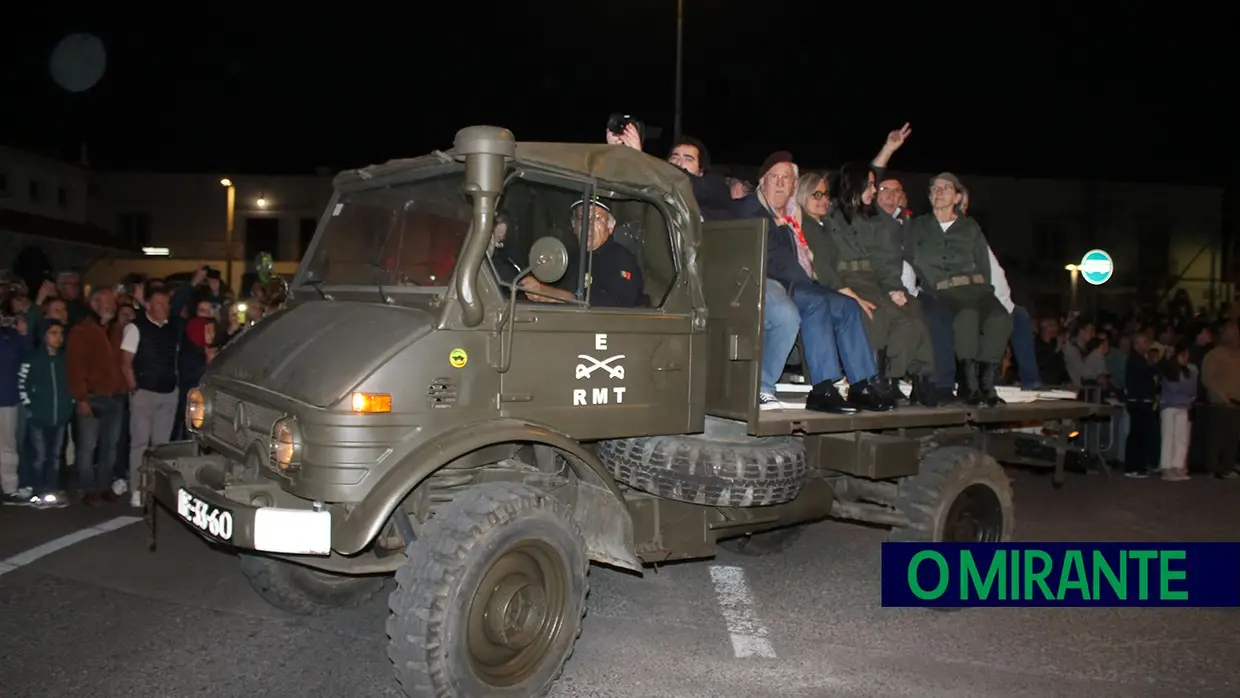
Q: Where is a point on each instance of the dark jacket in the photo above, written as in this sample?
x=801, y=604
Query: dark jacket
x=1141, y=379
x=13, y=348
x=44, y=385
x=782, y=264
x=714, y=197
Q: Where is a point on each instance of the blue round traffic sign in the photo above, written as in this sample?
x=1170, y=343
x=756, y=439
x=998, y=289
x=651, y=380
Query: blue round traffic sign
x=1096, y=267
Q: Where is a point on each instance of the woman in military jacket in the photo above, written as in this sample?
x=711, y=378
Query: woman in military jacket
x=952, y=259
x=857, y=254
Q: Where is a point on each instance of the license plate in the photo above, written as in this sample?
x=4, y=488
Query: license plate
x=212, y=520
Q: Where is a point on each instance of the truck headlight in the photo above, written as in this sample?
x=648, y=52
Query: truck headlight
x=285, y=443
x=195, y=410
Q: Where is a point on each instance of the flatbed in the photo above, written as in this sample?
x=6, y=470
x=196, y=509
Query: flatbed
x=797, y=420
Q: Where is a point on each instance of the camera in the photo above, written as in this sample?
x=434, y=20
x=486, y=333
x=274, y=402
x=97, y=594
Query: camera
x=617, y=122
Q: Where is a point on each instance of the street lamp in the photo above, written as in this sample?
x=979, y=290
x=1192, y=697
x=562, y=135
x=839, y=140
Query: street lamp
x=1075, y=270
x=228, y=235
x=680, y=40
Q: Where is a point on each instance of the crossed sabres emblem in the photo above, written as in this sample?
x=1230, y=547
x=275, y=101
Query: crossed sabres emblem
x=585, y=371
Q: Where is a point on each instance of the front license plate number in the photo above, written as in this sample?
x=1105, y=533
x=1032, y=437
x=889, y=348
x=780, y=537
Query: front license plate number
x=216, y=522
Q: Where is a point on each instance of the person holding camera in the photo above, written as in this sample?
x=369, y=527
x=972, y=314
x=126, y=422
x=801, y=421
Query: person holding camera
x=711, y=191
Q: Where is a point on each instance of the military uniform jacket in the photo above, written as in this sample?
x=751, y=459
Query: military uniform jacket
x=867, y=247
x=945, y=256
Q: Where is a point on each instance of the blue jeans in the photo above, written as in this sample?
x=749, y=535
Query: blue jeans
x=939, y=322
x=45, y=443
x=1022, y=349
x=97, y=440
x=832, y=329
x=780, y=322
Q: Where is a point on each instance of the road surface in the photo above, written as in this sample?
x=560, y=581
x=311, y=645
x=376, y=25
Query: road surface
x=96, y=614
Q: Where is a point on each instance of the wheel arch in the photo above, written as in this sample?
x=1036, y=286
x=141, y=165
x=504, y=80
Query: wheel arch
x=601, y=509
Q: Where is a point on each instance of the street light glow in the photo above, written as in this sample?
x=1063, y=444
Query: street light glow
x=262, y=203
x=226, y=182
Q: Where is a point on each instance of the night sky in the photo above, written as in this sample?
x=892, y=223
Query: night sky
x=1030, y=89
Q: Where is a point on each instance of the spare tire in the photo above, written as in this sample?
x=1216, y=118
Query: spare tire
x=739, y=472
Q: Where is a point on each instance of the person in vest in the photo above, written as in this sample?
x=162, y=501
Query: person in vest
x=149, y=362
x=952, y=259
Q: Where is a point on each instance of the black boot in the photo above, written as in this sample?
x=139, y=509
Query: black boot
x=865, y=395
x=825, y=398
x=924, y=393
x=989, y=379
x=882, y=381
x=971, y=388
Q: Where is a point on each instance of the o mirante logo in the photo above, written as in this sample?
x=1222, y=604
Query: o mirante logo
x=1061, y=574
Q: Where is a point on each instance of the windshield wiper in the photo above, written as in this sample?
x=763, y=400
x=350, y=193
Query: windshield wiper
x=383, y=296
x=317, y=285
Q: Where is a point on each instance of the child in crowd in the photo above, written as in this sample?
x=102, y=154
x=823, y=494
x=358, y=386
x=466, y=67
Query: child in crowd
x=49, y=406
x=1176, y=394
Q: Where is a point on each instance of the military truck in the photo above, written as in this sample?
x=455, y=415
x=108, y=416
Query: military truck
x=413, y=410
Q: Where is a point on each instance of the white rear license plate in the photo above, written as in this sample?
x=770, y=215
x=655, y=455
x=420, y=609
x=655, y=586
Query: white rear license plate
x=212, y=520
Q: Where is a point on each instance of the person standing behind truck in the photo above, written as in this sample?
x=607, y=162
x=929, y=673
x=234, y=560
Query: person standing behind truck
x=1220, y=373
x=1177, y=392
x=149, y=362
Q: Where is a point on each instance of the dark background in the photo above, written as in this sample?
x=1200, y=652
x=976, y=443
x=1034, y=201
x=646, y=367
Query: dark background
x=1036, y=89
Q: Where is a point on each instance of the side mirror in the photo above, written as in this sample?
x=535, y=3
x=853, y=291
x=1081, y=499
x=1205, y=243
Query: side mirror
x=548, y=260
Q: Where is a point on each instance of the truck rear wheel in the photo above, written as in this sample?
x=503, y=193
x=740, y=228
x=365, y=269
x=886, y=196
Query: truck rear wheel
x=959, y=495
x=304, y=591
x=491, y=599
x=703, y=470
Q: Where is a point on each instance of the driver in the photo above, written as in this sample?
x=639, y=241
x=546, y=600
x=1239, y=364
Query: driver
x=614, y=279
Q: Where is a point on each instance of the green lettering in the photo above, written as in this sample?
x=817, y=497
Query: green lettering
x=1143, y=577
x=1073, y=565
x=970, y=578
x=944, y=575
x=1166, y=575
x=1014, y=574
x=1102, y=568
x=1037, y=577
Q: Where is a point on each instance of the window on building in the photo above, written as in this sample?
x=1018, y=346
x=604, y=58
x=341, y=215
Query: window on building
x=62, y=196
x=134, y=228
x=36, y=191
x=305, y=235
x=262, y=234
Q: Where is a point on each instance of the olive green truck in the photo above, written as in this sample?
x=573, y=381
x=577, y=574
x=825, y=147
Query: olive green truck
x=411, y=411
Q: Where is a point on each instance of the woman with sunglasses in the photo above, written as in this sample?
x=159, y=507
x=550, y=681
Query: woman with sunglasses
x=858, y=255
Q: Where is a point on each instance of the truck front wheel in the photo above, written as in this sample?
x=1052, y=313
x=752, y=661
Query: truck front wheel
x=491, y=599
x=303, y=591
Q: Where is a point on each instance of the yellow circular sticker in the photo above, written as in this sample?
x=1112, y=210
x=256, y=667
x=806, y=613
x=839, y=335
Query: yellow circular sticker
x=458, y=358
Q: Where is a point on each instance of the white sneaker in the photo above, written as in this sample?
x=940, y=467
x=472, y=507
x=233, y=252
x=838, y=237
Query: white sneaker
x=767, y=401
x=119, y=487
x=52, y=500
x=135, y=500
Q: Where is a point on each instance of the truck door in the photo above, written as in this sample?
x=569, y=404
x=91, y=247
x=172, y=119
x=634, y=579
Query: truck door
x=605, y=372
x=732, y=265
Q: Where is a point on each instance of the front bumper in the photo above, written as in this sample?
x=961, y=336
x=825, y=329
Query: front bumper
x=194, y=488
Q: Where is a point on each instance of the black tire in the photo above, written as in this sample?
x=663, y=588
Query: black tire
x=765, y=543
x=304, y=591
x=437, y=630
x=956, y=485
x=701, y=470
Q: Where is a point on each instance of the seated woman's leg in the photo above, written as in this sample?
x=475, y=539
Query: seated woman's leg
x=996, y=329
x=821, y=320
x=1023, y=351
x=781, y=323
x=938, y=319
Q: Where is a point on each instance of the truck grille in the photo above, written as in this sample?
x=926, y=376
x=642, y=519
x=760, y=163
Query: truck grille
x=239, y=423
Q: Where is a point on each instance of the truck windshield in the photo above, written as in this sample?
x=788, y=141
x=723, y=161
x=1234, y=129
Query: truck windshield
x=402, y=237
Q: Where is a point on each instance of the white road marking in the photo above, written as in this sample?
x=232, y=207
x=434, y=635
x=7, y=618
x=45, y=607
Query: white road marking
x=22, y=559
x=749, y=636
